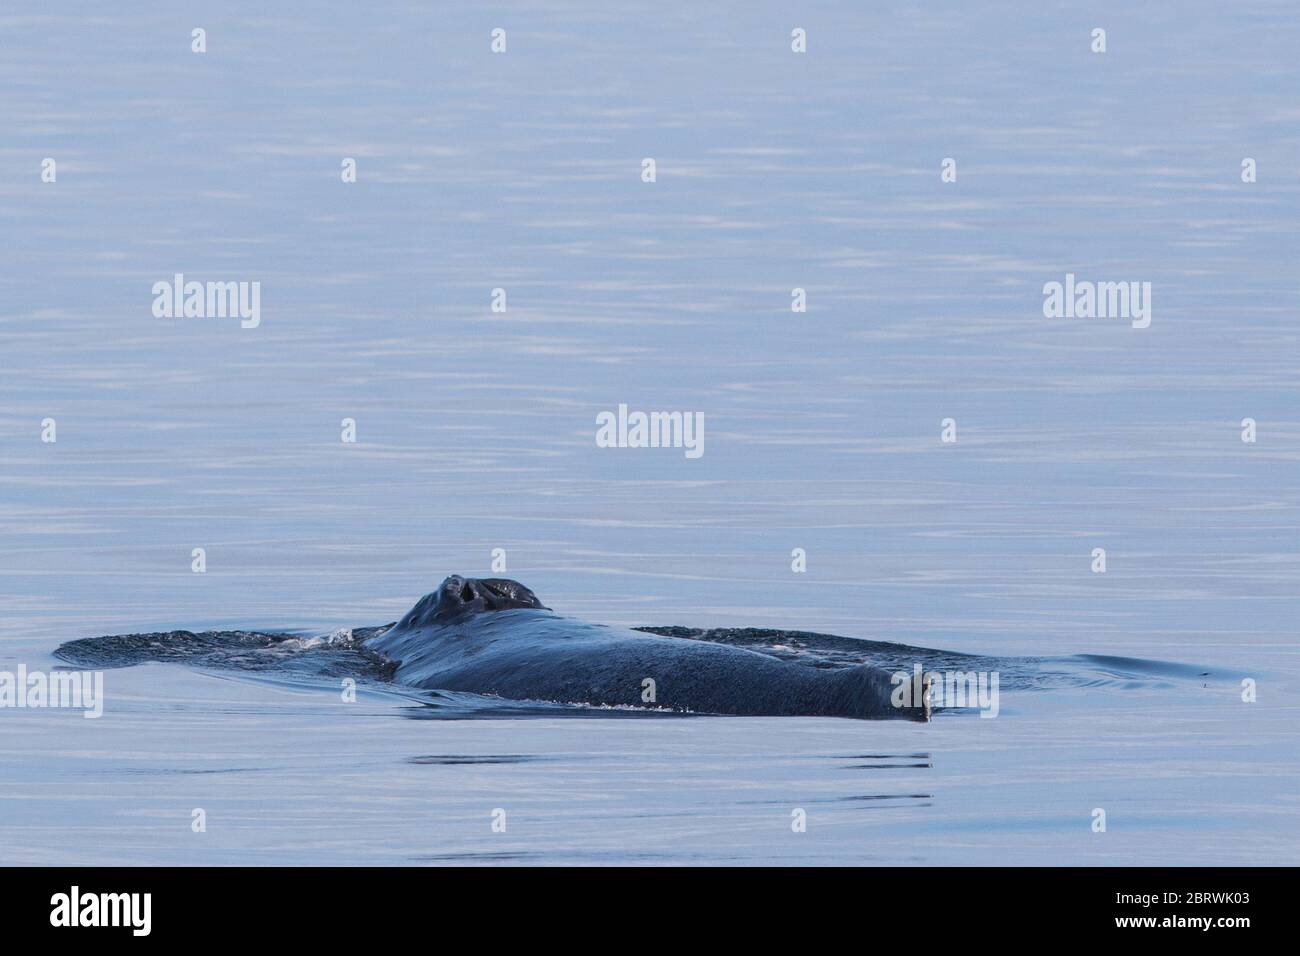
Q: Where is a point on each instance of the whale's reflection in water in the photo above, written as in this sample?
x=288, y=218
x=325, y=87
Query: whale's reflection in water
x=458, y=760
x=823, y=791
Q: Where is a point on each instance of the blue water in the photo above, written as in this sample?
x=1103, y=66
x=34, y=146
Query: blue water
x=475, y=430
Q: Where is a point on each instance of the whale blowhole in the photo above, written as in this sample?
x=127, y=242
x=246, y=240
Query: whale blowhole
x=458, y=597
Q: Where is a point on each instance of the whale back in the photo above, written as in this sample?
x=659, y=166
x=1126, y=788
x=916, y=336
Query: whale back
x=524, y=651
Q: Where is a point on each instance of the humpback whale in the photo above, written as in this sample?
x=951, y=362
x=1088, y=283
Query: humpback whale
x=493, y=637
x=488, y=647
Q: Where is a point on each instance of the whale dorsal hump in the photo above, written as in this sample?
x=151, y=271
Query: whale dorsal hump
x=459, y=597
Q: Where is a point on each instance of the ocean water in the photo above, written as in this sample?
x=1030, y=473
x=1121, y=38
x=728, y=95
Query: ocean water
x=475, y=429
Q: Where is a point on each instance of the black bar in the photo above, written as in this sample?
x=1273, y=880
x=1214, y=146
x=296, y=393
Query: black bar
x=335, y=906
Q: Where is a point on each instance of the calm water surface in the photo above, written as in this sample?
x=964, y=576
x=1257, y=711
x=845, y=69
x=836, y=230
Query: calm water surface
x=775, y=171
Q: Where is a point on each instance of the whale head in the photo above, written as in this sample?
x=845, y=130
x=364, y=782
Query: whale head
x=459, y=597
